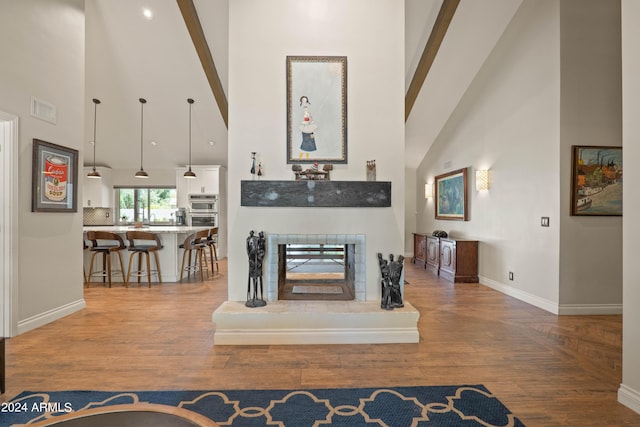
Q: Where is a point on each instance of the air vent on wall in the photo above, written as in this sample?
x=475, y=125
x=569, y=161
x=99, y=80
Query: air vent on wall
x=44, y=110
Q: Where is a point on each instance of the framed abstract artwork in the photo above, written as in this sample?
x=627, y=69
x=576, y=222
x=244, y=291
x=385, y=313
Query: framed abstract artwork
x=451, y=195
x=54, y=178
x=596, y=180
x=316, y=109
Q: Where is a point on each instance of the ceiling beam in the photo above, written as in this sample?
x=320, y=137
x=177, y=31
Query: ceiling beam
x=190, y=16
x=439, y=30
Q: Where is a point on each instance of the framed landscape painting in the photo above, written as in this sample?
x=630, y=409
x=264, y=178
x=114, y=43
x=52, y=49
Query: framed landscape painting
x=54, y=178
x=316, y=109
x=596, y=180
x=451, y=195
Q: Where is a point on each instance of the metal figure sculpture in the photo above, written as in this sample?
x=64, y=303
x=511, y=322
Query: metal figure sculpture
x=256, y=248
x=391, y=272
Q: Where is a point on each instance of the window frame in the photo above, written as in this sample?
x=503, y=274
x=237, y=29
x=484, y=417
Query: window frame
x=147, y=211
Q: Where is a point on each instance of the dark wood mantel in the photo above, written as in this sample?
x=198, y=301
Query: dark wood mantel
x=345, y=194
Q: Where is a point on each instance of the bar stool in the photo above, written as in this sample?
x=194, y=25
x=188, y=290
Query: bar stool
x=105, y=243
x=195, y=242
x=212, y=243
x=143, y=243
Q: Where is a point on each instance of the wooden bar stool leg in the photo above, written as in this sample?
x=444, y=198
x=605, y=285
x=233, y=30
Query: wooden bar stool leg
x=184, y=257
x=129, y=269
x=157, y=258
x=91, y=269
x=109, y=267
x=146, y=255
x=139, y=265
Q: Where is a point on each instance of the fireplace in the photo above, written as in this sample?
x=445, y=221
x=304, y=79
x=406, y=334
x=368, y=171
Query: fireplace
x=316, y=271
x=353, y=255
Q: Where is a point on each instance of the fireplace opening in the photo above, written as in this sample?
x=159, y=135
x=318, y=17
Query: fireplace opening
x=316, y=271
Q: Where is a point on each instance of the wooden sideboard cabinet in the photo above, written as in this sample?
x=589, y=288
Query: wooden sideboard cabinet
x=459, y=260
x=433, y=254
x=420, y=249
x=455, y=260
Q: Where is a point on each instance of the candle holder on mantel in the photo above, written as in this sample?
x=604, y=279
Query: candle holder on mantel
x=371, y=170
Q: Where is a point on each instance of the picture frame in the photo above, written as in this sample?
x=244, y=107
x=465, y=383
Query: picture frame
x=54, y=178
x=451, y=195
x=596, y=180
x=316, y=109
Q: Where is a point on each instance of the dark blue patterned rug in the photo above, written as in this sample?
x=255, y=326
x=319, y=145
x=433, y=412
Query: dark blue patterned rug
x=466, y=405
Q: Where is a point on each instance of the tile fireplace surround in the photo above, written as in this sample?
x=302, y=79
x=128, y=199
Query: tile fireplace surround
x=314, y=322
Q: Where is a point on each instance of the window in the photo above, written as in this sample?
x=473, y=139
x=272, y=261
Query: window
x=146, y=205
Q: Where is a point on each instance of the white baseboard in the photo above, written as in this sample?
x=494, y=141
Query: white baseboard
x=629, y=397
x=550, y=306
x=49, y=316
x=542, y=303
x=589, y=309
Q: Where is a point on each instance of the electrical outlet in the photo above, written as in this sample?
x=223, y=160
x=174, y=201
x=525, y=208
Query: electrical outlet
x=511, y=275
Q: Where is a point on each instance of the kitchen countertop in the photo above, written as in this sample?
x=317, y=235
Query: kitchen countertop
x=166, y=229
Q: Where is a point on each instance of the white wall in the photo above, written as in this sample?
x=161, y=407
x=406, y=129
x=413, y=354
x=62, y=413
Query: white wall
x=629, y=393
x=590, y=114
x=51, y=33
x=509, y=122
x=371, y=35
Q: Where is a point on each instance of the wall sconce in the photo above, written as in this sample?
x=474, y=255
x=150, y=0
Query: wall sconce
x=482, y=180
x=428, y=191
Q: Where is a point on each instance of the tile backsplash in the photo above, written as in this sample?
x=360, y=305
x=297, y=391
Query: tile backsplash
x=97, y=216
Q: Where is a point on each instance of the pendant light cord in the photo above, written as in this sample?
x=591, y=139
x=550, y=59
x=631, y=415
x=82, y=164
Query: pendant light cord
x=95, y=115
x=142, y=101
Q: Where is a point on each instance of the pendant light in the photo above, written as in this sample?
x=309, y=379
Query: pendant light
x=94, y=173
x=141, y=173
x=190, y=174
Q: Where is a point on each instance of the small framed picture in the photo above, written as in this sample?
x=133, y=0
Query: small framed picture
x=54, y=178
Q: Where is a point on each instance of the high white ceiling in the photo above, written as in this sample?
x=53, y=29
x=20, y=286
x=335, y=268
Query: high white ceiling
x=129, y=57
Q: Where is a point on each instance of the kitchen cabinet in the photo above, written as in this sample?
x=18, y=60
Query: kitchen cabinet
x=208, y=180
x=97, y=192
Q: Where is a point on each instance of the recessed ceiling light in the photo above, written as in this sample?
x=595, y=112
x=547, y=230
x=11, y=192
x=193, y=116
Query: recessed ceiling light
x=154, y=143
x=212, y=143
x=147, y=13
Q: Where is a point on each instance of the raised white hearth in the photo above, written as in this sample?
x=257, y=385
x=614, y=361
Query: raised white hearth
x=314, y=322
x=359, y=321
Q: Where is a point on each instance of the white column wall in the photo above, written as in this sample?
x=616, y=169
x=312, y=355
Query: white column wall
x=371, y=36
x=629, y=392
x=42, y=43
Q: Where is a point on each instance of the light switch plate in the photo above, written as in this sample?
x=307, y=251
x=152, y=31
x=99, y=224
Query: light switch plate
x=544, y=221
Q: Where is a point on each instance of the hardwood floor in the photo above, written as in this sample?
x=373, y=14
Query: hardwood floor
x=549, y=370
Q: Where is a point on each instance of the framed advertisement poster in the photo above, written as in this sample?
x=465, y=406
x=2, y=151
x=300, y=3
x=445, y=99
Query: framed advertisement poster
x=316, y=109
x=451, y=195
x=54, y=178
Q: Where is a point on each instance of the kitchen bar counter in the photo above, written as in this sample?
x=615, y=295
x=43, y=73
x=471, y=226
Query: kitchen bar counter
x=170, y=255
